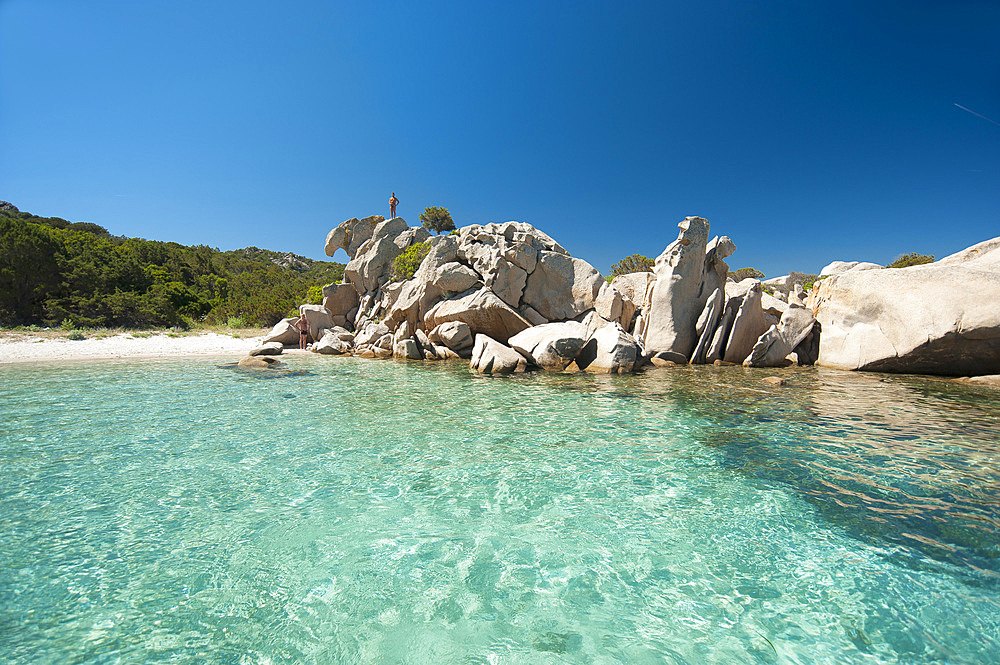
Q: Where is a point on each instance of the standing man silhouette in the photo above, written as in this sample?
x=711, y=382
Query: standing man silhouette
x=393, y=202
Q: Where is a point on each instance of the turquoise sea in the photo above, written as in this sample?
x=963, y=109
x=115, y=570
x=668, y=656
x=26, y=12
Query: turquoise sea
x=360, y=511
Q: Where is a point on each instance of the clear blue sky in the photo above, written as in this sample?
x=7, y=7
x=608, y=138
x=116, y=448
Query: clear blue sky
x=805, y=131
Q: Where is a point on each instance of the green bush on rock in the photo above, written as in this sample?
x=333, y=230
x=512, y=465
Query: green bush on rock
x=436, y=219
x=911, y=259
x=405, y=265
x=632, y=264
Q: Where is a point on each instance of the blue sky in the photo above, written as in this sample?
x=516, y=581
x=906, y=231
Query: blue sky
x=805, y=131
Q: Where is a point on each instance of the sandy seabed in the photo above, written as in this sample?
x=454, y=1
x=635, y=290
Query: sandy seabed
x=124, y=345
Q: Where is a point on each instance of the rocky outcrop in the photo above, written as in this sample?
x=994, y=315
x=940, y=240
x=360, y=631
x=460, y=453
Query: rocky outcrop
x=491, y=357
x=749, y=324
x=936, y=318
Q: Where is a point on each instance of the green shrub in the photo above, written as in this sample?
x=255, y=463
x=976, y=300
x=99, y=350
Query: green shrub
x=632, y=264
x=812, y=282
x=405, y=265
x=235, y=322
x=67, y=325
x=75, y=335
x=314, y=295
x=911, y=259
x=746, y=273
x=436, y=219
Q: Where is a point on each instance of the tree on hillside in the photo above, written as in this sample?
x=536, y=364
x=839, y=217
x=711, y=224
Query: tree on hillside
x=436, y=219
x=631, y=264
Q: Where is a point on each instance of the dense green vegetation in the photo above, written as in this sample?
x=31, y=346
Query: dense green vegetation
x=53, y=271
x=405, y=265
x=631, y=264
x=911, y=259
x=436, y=219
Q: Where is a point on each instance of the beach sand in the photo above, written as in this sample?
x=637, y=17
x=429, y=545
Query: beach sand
x=45, y=347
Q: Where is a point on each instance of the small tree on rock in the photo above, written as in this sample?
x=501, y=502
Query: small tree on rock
x=631, y=264
x=746, y=273
x=437, y=219
x=911, y=259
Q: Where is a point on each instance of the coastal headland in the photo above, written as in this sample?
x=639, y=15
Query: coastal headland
x=508, y=297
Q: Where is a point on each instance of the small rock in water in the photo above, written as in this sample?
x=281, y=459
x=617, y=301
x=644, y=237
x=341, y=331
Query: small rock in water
x=259, y=362
x=774, y=380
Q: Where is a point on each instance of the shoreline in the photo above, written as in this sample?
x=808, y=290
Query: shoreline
x=30, y=348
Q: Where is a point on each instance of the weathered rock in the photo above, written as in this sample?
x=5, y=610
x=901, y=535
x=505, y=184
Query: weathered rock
x=561, y=286
x=483, y=311
x=370, y=267
x=748, y=325
x=707, y=323
x=340, y=299
x=840, y=267
x=491, y=357
x=807, y=351
x=318, y=318
x=990, y=380
x=936, y=318
x=773, y=380
x=551, y=346
x=259, y=362
x=455, y=277
x=370, y=333
x=609, y=303
x=267, y=349
x=672, y=305
x=720, y=338
x=331, y=344
x=773, y=347
x=455, y=335
x=384, y=342
x=283, y=332
x=408, y=349
x=610, y=350
x=633, y=288
x=716, y=271
x=784, y=283
x=532, y=316
x=381, y=352
x=351, y=234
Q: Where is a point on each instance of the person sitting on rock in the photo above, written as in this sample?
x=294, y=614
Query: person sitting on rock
x=393, y=202
x=303, y=328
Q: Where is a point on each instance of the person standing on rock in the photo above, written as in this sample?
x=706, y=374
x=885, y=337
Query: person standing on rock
x=393, y=202
x=303, y=327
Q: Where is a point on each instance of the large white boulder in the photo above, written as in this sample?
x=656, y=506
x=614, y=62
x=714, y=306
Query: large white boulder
x=936, y=318
x=610, y=350
x=672, y=305
x=491, y=357
x=551, y=346
x=774, y=346
x=455, y=335
x=318, y=318
x=284, y=332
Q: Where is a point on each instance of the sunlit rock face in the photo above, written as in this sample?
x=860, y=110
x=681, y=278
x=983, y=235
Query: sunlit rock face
x=936, y=318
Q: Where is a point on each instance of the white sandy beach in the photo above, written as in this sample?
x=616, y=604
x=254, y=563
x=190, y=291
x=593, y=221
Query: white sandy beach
x=29, y=348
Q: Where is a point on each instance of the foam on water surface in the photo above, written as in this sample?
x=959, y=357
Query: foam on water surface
x=388, y=512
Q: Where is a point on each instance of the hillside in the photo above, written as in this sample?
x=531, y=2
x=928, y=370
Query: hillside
x=53, y=270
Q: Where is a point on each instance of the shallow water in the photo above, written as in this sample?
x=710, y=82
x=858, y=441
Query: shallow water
x=387, y=512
